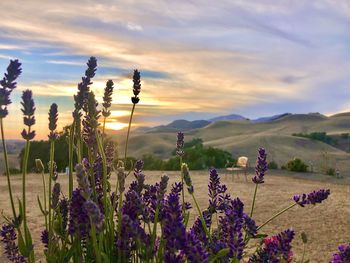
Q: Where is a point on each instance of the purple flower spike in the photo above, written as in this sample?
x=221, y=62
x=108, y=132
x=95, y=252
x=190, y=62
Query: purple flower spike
x=45, y=238
x=312, y=198
x=343, y=255
x=180, y=144
x=28, y=112
x=97, y=218
x=174, y=231
x=8, y=85
x=194, y=251
x=83, y=181
x=260, y=167
x=137, y=86
x=56, y=190
x=107, y=99
x=53, y=116
x=8, y=238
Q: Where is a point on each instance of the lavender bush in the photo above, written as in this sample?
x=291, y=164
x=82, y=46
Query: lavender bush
x=140, y=222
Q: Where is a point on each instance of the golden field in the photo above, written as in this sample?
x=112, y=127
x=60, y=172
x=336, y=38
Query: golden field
x=326, y=225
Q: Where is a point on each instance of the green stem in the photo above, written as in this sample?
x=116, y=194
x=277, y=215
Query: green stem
x=201, y=217
x=45, y=207
x=104, y=125
x=276, y=215
x=94, y=242
x=304, y=251
x=7, y=168
x=24, y=173
x=104, y=167
x=119, y=222
x=128, y=133
x=52, y=153
x=183, y=190
x=70, y=153
x=254, y=197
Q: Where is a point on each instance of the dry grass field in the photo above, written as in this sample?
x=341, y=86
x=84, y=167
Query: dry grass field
x=326, y=225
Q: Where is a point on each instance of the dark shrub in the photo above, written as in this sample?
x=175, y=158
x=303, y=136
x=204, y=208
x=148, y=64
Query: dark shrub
x=330, y=171
x=272, y=165
x=295, y=165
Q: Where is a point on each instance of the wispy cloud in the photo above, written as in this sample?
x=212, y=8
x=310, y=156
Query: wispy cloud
x=249, y=57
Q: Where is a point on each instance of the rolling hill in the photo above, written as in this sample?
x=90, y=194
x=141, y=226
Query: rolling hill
x=243, y=137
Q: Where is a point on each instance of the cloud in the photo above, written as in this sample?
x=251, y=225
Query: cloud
x=194, y=56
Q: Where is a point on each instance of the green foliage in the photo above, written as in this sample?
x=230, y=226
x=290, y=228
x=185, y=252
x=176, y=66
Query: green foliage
x=318, y=136
x=272, y=165
x=41, y=150
x=295, y=165
x=14, y=170
x=330, y=172
x=344, y=135
x=196, y=156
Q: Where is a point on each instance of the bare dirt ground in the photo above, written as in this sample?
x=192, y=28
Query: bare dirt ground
x=326, y=225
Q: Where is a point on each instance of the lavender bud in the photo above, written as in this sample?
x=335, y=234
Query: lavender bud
x=83, y=181
x=53, y=116
x=121, y=176
x=312, y=198
x=187, y=178
x=39, y=166
x=136, y=87
x=8, y=84
x=261, y=167
x=107, y=99
x=28, y=112
x=56, y=190
x=45, y=238
x=343, y=255
x=96, y=217
x=8, y=238
x=180, y=143
x=83, y=87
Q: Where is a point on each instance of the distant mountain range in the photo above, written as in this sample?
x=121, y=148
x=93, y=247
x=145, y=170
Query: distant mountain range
x=185, y=125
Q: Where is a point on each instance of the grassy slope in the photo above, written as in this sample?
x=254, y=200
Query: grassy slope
x=243, y=138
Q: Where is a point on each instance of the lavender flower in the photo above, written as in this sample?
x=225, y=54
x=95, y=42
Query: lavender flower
x=215, y=190
x=121, y=176
x=8, y=238
x=8, y=85
x=249, y=225
x=162, y=187
x=261, y=167
x=194, y=251
x=138, y=168
x=63, y=207
x=83, y=181
x=83, y=87
x=198, y=228
x=107, y=99
x=275, y=248
x=312, y=198
x=45, y=238
x=176, y=188
x=343, y=255
x=96, y=217
x=56, y=190
x=187, y=178
x=28, y=112
x=231, y=226
x=53, y=115
x=180, y=144
x=174, y=232
x=137, y=86
x=78, y=216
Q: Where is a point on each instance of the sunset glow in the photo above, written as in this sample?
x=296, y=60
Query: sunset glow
x=193, y=66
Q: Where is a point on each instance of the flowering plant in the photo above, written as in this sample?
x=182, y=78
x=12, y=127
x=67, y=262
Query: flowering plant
x=99, y=222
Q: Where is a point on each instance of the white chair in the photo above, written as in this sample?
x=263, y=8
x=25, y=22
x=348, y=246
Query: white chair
x=241, y=165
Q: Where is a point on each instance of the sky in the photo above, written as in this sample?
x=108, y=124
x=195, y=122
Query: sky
x=198, y=59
